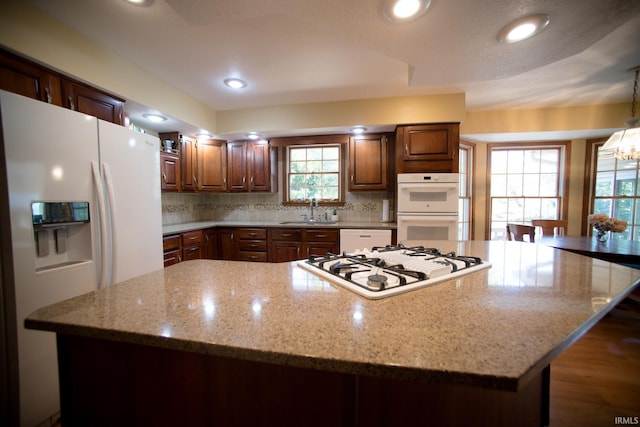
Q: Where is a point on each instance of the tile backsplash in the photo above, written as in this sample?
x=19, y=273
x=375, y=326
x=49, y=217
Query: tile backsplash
x=187, y=207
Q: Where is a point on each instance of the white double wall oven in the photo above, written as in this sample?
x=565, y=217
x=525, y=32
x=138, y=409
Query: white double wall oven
x=428, y=206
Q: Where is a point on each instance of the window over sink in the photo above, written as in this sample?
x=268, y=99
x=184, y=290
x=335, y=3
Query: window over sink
x=314, y=172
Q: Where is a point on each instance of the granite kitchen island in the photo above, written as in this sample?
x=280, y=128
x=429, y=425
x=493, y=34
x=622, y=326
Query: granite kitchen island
x=236, y=343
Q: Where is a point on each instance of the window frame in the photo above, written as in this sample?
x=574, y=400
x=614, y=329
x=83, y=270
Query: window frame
x=589, y=197
x=563, y=178
x=341, y=174
x=468, y=182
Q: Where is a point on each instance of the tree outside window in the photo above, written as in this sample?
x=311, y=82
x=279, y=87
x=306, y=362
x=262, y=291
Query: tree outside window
x=314, y=173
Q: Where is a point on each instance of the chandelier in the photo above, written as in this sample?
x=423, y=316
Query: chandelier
x=625, y=144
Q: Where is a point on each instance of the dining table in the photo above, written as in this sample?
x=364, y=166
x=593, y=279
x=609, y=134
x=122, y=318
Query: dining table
x=619, y=251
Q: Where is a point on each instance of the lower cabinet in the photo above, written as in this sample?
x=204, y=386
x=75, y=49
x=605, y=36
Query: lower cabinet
x=285, y=244
x=250, y=244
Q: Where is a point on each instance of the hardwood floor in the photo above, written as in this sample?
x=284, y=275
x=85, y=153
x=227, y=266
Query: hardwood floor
x=598, y=378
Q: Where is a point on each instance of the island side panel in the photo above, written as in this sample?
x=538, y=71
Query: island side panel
x=105, y=383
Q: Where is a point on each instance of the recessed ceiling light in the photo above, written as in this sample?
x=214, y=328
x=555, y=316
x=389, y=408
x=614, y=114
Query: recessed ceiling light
x=405, y=10
x=253, y=135
x=235, y=83
x=358, y=130
x=523, y=28
x=143, y=3
x=154, y=117
x=204, y=135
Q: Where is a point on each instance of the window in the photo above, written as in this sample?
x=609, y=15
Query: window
x=616, y=192
x=465, y=205
x=526, y=182
x=314, y=172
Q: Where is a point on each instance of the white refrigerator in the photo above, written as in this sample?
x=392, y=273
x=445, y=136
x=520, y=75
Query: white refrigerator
x=84, y=211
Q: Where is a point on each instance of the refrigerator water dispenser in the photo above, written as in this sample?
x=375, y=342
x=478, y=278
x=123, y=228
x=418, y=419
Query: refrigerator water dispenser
x=62, y=233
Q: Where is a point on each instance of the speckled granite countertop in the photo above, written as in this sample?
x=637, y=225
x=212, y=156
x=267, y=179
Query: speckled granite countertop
x=493, y=328
x=197, y=225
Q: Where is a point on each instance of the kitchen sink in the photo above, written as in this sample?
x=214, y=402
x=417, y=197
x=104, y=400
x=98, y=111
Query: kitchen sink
x=309, y=222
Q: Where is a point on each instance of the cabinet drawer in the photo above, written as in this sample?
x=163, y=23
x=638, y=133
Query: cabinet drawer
x=253, y=245
x=322, y=235
x=192, y=238
x=172, y=257
x=252, y=256
x=287, y=234
x=192, y=252
x=252, y=233
x=170, y=243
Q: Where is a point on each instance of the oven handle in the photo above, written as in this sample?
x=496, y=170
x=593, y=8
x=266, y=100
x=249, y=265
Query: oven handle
x=426, y=218
x=429, y=186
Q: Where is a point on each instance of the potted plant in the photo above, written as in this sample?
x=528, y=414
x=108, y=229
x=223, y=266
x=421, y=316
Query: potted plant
x=334, y=215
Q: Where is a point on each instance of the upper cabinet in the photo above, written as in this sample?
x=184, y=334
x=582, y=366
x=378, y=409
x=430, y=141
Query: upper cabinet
x=93, y=102
x=369, y=162
x=204, y=164
x=427, y=148
x=27, y=78
x=251, y=166
x=170, y=171
x=212, y=165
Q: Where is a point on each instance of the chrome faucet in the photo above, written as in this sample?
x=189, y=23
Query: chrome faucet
x=313, y=202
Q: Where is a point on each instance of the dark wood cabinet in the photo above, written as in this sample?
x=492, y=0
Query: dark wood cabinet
x=192, y=245
x=369, y=162
x=227, y=244
x=172, y=249
x=27, y=78
x=250, y=166
x=204, y=164
x=261, y=166
x=93, y=102
x=210, y=243
x=427, y=148
x=170, y=175
x=285, y=244
x=252, y=244
x=320, y=241
x=212, y=165
x=237, y=166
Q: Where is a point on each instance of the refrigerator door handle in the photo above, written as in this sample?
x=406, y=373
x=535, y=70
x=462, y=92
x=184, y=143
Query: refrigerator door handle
x=102, y=212
x=112, y=211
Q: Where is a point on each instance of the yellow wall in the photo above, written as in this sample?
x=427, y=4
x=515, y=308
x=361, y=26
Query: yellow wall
x=35, y=35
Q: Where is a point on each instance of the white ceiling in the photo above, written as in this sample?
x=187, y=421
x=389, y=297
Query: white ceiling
x=302, y=51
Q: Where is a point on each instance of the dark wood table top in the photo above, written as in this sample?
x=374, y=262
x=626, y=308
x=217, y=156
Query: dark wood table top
x=613, y=250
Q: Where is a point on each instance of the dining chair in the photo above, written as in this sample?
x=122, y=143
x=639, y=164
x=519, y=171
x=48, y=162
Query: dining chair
x=548, y=226
x=518, y=231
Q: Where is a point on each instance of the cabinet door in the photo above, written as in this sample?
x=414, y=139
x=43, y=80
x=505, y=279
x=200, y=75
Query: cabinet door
x=237, y=166
x=188, y=163
x=212, y=165
x=93, y=102
x=192, y=252
x=368, y=163
x=28, y=79
x=169, y=172
x=427, y=148
x=259, y=166
x=283, y=251
x=319, y=248
x=226, y=244
x=210, y=244
x=172, y=257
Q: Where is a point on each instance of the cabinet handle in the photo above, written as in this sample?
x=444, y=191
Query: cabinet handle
x=244, y=180
x=298, y=251
x=352, y=179
x=206, y=238
x=164, y=177
x=251, y=180
x=195, y=180
x=192, y=238
x=37, y=87
x=253, y=234
x=224, y=183
x=321, y=236
x=286, y=235
x=406, y=149
x=179, y=258
x=71, y=104
x=48, y=92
